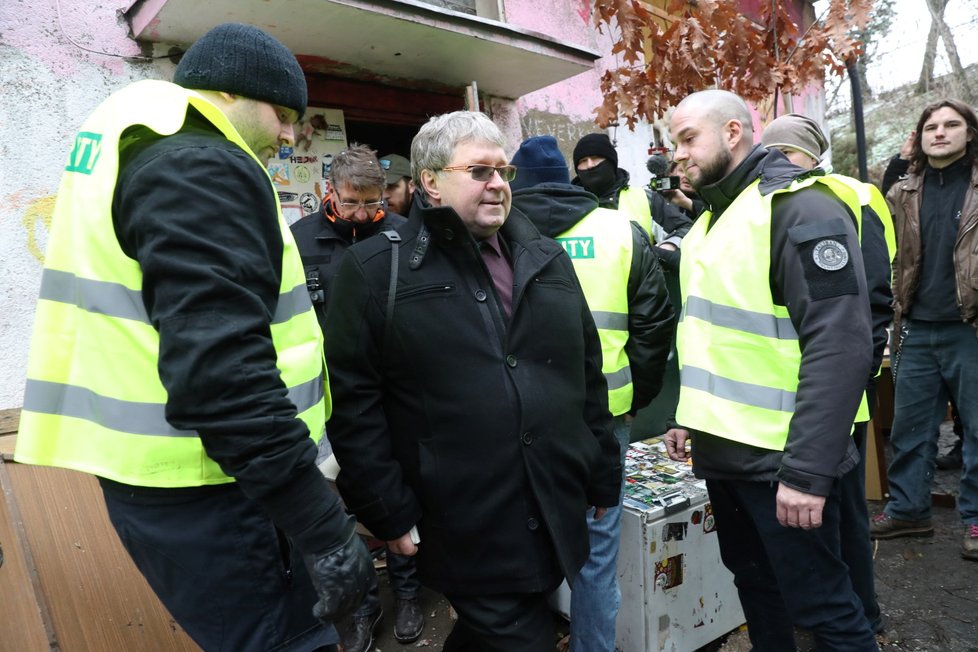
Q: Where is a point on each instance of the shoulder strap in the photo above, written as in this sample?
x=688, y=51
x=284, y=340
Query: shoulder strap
x=394, y=239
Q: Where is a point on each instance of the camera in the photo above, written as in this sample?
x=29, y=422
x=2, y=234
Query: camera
x=661, y=184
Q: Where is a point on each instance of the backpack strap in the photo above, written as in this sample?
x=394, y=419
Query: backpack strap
x=394, y=239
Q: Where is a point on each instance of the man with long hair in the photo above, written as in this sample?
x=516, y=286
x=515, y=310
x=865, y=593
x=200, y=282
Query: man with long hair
x=935, y=212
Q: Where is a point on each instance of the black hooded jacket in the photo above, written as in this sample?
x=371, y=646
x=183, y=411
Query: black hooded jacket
x=556, y=207
x=831, y=314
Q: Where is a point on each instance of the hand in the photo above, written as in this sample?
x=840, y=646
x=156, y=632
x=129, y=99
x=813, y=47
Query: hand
x=676, y=439
x=906, y=149
x=599, y=512
x=678, y=198
x=403, y=545
x=342, y=578
x=798, y=509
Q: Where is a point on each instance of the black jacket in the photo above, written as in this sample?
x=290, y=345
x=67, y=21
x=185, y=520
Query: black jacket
x=199, y=215
x=830, y=312
x=322, y=243
x=491, y=434
x=556, y=207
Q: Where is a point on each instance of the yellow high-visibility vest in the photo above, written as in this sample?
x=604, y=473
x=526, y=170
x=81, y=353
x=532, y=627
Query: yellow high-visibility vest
x=739, y=355
x=600, y=246
x=94, y=400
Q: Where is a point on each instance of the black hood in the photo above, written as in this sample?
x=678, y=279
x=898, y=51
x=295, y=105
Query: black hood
x=769, y=165
x=554, y=207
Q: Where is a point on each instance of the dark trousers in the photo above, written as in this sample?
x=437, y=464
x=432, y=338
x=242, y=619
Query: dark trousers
x=403, y=574
x=787, y=576
x=855, y=544
x=227, y=575
x=517, y=622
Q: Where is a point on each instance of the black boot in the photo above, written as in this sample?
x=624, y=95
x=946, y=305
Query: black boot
x=408, y=620
x=360, y=636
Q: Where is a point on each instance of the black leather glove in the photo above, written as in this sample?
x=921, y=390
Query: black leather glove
x=342, y=578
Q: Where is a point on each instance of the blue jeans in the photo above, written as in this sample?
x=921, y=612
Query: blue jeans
x=937, y=361
x=595, y=596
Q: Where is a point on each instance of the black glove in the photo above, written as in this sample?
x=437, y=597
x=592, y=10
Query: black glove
x=342, y=578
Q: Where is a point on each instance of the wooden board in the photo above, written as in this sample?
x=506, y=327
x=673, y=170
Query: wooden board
x=23, y=627
x=96, y=597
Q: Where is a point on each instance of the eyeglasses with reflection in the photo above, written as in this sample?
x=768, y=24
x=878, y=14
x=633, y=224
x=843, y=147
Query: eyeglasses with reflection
x=354, y=206
x=484, y=172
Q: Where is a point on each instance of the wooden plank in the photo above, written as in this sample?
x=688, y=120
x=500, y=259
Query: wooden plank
x=876, y=485
x=22, y=626
x=9, y=420
x=97, y=598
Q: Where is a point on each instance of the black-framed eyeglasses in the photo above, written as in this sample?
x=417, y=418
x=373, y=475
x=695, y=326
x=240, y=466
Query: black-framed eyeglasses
x=483, y=173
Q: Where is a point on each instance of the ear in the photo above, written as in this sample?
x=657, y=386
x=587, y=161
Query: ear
x=411, y=186
x=429, y=182
x=733, y=132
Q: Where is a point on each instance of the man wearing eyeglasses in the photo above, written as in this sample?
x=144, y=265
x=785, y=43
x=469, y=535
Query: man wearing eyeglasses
x=470, y=399
x=354, y=210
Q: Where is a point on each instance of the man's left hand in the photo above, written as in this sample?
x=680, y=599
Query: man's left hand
x=599, y=512
x=798, y=509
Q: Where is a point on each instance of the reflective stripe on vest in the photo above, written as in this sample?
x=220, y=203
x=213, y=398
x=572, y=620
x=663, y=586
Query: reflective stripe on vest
x=600, y=246
x=635, y=204
x=739, y=353
x=94, y=401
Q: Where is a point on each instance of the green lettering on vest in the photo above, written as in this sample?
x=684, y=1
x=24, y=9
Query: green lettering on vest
x=85, y=153
x=578, y=247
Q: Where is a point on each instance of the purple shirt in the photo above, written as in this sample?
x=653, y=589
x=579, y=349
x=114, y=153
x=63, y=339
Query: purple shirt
x=500, y=270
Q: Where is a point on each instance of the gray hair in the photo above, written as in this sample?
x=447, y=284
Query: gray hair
x=357, y=166
x=435, y=142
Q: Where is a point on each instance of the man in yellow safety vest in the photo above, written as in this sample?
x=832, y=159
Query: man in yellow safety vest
x=775, y=347
x=176, y=354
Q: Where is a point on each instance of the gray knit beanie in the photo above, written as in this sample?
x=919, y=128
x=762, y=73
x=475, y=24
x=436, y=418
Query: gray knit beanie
x=795, y=131
x=246, y=61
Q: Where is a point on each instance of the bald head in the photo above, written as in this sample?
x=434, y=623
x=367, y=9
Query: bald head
x=712, y=132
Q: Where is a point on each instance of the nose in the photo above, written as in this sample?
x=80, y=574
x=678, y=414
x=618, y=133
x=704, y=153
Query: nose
x=496, y=180
x=287, y=135
x=680, y=153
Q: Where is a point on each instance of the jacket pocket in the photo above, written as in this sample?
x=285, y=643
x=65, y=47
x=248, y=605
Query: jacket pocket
x=429, y=290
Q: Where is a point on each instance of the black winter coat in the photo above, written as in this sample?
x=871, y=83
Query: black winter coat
x=322, y=243
x=491, y=434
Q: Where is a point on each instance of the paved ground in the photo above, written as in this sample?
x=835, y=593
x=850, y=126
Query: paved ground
x=928, y=593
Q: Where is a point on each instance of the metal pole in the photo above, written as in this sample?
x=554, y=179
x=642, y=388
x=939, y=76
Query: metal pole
x=857, y=114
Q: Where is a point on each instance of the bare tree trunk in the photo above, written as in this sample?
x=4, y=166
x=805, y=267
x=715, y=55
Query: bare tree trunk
x=952, y=53
x=930, y=54
x=936, y=8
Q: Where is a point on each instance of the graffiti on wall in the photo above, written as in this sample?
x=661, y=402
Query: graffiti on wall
x=36, y=219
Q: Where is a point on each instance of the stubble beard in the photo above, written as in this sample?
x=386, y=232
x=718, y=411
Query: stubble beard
x=713, y=170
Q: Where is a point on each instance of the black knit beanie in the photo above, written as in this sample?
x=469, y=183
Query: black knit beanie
x=244, y=60
x=595, y=145
x=538, y=160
